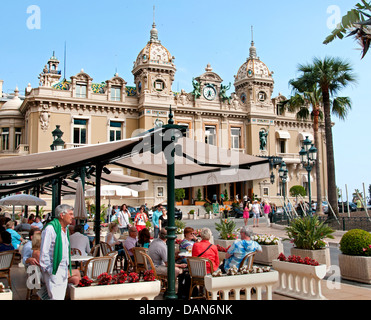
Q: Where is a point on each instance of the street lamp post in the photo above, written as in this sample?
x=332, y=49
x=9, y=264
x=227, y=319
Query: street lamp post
x=283, y=175
x=308, y=157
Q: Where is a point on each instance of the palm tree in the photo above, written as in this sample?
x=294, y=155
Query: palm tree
x=330, y=75
x=359, y=22
x=303, y=98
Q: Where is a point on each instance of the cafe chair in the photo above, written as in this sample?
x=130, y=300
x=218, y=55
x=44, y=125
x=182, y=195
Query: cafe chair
x=130, y=265
x=94, y=252
x=139, y=261
x=149, y=265
x=96, y=266
x=197, y=270
x=6, y=262
x=105, y=248
x=248, y=260
x=114, y=256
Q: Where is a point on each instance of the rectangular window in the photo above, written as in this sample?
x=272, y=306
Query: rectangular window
x=115, y=133
x=210, y=135
x=80, y=91
x=235, y=138
x=5, y=139
x=79, y=131
x=282, y=145
x=18, y=137
x=265, y=191
x=115, y=94
x=160, y=191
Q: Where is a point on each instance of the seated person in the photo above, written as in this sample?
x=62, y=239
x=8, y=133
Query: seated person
x=79, y=241
x=158, y=253
x=144, y=238
x=240, y=248
x=24, y=226
x=27, y=249
x=36, y=245
x=37, y=223
x=16, y=237
x=131, y=240
x=207, y=250
x=6, y=242
x=188, y=241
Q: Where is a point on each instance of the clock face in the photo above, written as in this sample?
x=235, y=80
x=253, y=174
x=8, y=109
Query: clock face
x=209, y=93
x=262, y=96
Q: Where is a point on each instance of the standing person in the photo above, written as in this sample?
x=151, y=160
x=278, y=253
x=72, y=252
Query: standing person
x=244, y=200
x=155, y=220
x=109, y=213
x=55, y=253
x=123, y=219
x=267, y=210
x=246, y=214
x=256, y=210
x=140, y=219
x=163, y=219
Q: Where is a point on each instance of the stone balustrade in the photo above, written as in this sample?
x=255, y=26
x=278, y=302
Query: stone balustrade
x=228, y=285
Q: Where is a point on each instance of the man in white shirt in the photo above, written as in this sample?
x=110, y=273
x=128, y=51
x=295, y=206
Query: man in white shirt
x=79, y=241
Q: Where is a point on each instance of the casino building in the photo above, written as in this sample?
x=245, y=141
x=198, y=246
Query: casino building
x=91, y=112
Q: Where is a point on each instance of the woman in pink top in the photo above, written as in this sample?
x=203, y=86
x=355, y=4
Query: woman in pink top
x=267, y=210
x=246, y=213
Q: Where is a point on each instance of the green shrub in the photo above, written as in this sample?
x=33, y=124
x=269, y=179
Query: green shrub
x=356, y=242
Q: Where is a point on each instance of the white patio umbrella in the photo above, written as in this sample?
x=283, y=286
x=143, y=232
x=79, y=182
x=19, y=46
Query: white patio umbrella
x=22, y=200
x=80, y=208
x=112, y=191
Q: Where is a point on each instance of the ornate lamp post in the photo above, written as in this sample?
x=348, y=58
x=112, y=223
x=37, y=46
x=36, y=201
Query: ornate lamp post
x=308, y=157
x=58, y=143
x=283, y=176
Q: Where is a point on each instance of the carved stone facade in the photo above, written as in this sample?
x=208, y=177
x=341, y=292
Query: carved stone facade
x=90, y=113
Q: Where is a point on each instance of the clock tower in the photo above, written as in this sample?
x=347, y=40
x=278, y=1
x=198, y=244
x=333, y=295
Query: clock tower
x=254, y=84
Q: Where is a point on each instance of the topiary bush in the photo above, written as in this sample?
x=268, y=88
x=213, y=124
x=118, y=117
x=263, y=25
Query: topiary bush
x=356, y=242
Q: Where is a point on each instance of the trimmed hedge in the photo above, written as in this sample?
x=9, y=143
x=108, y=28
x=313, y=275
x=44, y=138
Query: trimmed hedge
x=354, y=243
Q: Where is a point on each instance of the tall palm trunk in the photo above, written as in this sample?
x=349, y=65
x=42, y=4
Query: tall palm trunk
x=318, y=167
x=331, y=183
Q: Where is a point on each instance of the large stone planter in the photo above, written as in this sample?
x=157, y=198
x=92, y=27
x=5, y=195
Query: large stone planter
x=226, y=284
x=322, y=255
x=300, y=281
x=191, y=216
x=268, y=254
x=355, y=268
x=127, y=291
x=6, y=295
x=223, y=243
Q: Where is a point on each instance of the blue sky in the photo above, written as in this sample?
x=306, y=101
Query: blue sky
x=102, y=36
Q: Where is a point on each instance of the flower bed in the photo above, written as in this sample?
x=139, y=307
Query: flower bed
x=271, y=248
x=121, y=286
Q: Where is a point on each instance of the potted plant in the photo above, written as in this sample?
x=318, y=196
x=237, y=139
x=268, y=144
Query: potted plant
x=226, y=198
x=299, y=277
x=179, y=196
x=271, y=248
x=227, y=232
x=191, y=214
x=308, y=234
x=180, y=225
x=355, y=257
x=199, y=201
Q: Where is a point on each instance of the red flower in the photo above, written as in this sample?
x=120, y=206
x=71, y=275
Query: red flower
x=133, y=277
x=149, y=275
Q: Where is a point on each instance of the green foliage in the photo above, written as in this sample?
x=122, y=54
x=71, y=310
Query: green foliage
x=103, y=211
x=297, y=191
x=308, y=233
x=226, y=196
x=208, y=207
x=180, y=225
x=356, y=242
x=199, y=195
x=179, y=194
x=227, y=229
x=192, y=212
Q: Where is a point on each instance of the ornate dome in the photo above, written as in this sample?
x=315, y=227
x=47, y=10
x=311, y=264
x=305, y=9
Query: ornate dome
x=253, y=67
x=154, y=52
x=12, y=106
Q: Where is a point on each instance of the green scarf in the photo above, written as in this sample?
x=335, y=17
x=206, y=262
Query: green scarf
x=58, y=248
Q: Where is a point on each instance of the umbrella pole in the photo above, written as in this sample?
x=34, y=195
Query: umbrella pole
x=98, y=176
